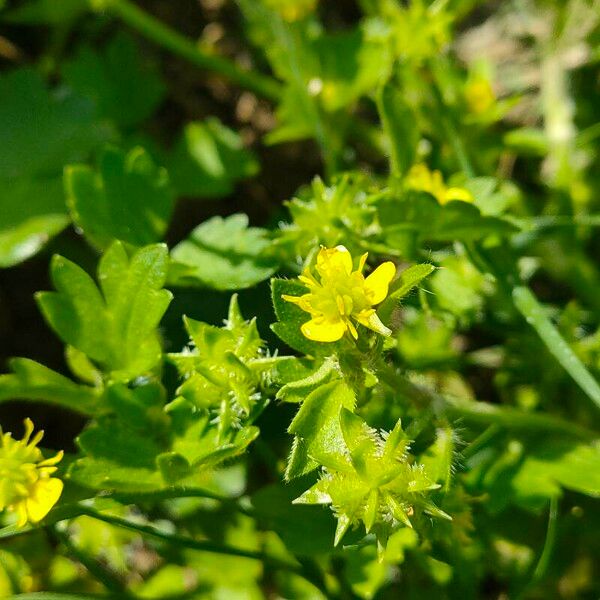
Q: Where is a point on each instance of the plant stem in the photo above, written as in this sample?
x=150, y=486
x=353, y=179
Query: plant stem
x=179, y=540
x=482, y=412
x=182, y=492
x=512, y=418
x=164, y=36
x=544, y=561
x=98, y=571
x=542, y=566
x=204, y=545
x=528, y=305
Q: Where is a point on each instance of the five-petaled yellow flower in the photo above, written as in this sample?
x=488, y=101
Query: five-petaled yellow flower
x=26, y=487
x=421, y=179
x=342, y=296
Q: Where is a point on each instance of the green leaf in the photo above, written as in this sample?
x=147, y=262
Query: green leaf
x=33, y=212
x=118, y=79
x=352, y=64
x=409, y=279
x=223, y=254
x=364, y=571
x=201, y=443
x=305, y=530
x=459, y=287
x=531, y=472
x=107, y=470
x=209, y=159
x=296, y=391
x=128, y=199
x=559, y=463
x=140, y=407
x=528, y=305
x=299, y=462
x=399, y=124
x=419, y=214
x=41, y=131
x=318, y=424
x=115, y=328
x=32, y=381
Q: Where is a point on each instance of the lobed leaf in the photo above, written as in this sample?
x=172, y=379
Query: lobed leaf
x=223, y=254
x=115, y=328
x=127, y=199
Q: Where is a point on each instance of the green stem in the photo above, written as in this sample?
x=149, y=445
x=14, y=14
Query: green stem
x=182, y=492
x=179, y=540
x=543, y=563
x=513, y=418
x=202, y=545
x=542, y=566
x=481, y=412
x=164, y=36
x=98, y=571
x=482, y=440
x=528, y=305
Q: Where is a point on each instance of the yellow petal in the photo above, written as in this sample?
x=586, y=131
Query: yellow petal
x=334, y=260
x=302, y=301
x=352, y=329
x=49, y=462
x=377, y=283
x=319, y=330
x=44, y=495
x=21, y=510
x=28, y=430
x=292, y=299
x=362, y=261
x=456, y=193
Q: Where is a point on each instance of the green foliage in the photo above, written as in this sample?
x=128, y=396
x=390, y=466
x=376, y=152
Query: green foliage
x=224, y=371
x=421, y=216
x=209, y=159
x=325, y=215
x=224, y=254
x=32, y=381
x=399, y=124
x=431, y=206
x=124, y=88
x=129, y=199
x=377, y=485
x=42, y=131
x=114, y=325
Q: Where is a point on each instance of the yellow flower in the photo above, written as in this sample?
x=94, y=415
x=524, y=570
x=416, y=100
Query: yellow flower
x=26, y=487
x=342, y=296
x=479, y=95
x=421, y=179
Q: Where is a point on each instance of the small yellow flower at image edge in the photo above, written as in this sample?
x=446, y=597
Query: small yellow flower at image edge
x=342, y=296
x=26, y=487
